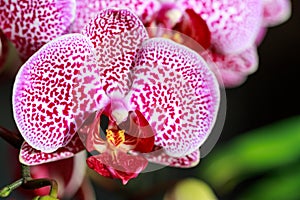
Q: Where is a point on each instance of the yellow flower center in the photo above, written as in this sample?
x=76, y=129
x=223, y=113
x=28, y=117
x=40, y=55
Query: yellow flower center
x=116, y=138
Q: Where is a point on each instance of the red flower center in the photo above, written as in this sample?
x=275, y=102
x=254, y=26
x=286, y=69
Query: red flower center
x=115, y=159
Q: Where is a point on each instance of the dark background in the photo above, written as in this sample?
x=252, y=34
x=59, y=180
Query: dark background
x=270, y=94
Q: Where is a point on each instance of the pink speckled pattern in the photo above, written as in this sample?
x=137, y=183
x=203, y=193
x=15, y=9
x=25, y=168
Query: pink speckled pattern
x=177, y=93
x=42, y=93
x=30, y=156
x=234, y=27
x=276, y=11
x=116, y=36
x=29, y=24
x=87, y=9
x=233, y=24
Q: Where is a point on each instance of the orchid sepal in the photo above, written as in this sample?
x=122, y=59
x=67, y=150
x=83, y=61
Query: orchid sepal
x=31, y=157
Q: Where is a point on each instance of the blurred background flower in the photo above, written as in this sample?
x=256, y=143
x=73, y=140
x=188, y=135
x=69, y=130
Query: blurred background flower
x=265, y=162
x=189, y=189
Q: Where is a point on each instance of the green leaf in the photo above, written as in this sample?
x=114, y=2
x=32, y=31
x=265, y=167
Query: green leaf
x=283, y=184
x=251, y=153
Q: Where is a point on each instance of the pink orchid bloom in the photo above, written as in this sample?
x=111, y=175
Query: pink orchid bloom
x=230, y=32
x=160, y=99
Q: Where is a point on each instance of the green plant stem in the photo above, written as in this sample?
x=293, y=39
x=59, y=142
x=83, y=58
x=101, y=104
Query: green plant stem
x=39, y=183
x=4, y=192
x=14, y=139
x=31, y=184
x=27, y=182
x=25, y=171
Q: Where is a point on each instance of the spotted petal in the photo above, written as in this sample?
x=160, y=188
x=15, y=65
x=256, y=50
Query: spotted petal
x=30, y=156
x=233, y=24
x=276, y=11
x=29, y=24
x=43, y=93
x=116, y=35
x=177, y=93
x=88, y=9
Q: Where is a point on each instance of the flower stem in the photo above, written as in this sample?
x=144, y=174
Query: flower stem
x=31, y=184
x=42, y=182
x=25, y=171
x=27, y=182
x=4, y=192
x=14, y=139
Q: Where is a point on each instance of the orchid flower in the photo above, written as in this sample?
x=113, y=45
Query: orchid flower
x=228, y=30
x=159, y=99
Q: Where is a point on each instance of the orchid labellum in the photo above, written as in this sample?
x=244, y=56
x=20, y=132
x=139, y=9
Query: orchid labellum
x=127, y=98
